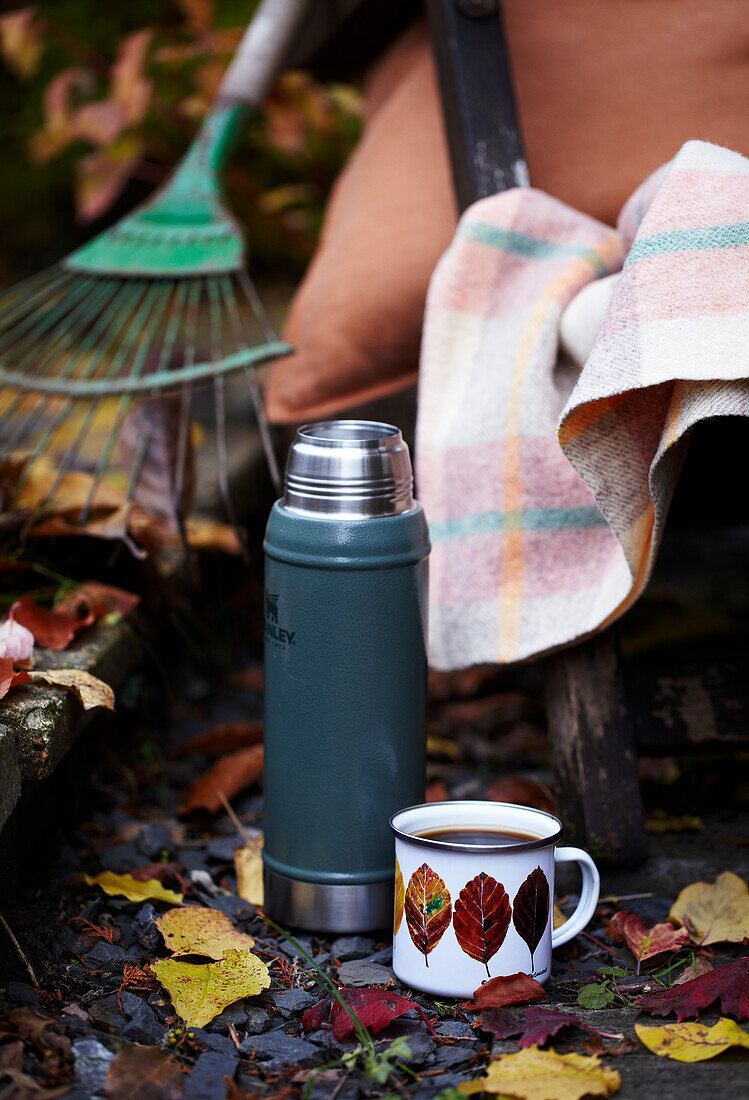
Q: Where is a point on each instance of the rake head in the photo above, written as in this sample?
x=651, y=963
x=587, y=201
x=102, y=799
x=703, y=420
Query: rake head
x=79, y=358
x=184, y=230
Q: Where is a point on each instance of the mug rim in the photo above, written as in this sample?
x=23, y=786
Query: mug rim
x=478, y=849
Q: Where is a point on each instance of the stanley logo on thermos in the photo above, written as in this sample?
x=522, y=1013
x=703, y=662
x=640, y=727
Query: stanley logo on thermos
x=277, y=635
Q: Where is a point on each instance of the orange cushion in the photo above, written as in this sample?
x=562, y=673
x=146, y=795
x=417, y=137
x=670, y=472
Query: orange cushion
x=607, y=91
x=356, y=317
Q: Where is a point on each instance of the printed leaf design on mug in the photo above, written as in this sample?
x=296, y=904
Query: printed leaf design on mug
x=481, y=917
x=530, y=909
x=428, y=909
x=400, y=898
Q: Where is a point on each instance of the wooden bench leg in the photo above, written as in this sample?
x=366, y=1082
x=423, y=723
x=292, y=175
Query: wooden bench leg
x=594, y=750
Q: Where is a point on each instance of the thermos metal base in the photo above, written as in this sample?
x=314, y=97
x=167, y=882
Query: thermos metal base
x=319, y=907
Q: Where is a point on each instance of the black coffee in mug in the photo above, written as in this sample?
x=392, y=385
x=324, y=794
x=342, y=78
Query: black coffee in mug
x=479, y=835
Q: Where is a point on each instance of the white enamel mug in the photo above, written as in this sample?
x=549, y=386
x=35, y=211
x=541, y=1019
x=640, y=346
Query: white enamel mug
x=464, y=912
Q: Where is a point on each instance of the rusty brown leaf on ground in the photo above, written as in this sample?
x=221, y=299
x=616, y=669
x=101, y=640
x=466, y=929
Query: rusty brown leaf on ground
x=228, y=776
x=643, y=942
x=727, y=984
x=52, y=627
x=512, y=989
x=90, y=690
x=143, y=1072
x=226, y=737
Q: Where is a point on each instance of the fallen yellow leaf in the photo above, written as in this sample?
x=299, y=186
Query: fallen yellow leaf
x=194, y=930
x=660, y=822
x=534, y=1074
x=130, y=888
x=91, y=691
x=248, y=862
x=692, y=1042
x=200, y=991
x=558, y=917
x=715, y=912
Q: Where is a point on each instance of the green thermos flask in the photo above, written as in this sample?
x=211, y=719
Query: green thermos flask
x=345, y=674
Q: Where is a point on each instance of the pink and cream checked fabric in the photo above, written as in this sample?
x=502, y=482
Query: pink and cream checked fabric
x=546, y=511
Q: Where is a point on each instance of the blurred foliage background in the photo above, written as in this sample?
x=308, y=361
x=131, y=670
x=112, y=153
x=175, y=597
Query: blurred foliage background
x=101, y=99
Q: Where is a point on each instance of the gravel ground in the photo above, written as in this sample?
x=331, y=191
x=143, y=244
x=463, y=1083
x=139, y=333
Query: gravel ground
x=90, y=953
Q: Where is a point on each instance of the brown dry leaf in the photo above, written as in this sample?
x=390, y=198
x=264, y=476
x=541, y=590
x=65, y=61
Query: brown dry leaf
x=248, y=862
x=27, y=1088
x=223, y=738
x=692, y=1042
x=127, y=887
x=534, y=1074
x=91, y=691
x=228, y=776
x=700, y=966
x=166, y=478
x=194, y=930
x=200, y=991
x=143, y=1073
x=39, y=1029
x=594, y=1046
x=512, y=989
x=715, y=913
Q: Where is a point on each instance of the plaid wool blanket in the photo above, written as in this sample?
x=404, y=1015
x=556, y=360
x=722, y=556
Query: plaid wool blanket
x=546, y=508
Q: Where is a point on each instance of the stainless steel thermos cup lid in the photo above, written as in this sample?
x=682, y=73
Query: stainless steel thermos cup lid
x=349, y=469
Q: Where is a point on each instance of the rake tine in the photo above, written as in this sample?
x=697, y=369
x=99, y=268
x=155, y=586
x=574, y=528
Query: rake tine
x=219, y=394
x=101, y=323
x=256, y=396
x=257, y=306
x=133, y=295
x=126, y=399
x=34, y=414
x=183, y=429
x=47, y=322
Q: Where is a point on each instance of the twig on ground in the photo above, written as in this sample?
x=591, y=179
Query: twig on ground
x=233, y=817
x=19, y=950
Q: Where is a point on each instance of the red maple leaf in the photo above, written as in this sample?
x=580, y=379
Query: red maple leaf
x=728, y=984
x=53, y=628
x=534, y=1026
x=644, y=942
x=375, y=1008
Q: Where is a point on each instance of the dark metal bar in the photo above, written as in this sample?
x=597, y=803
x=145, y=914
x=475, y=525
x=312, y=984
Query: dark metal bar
x=477, y=99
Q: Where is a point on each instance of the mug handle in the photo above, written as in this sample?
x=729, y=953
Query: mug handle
x=588, y=895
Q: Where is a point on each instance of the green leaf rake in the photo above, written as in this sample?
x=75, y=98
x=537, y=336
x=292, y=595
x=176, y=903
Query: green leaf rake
x=158, y=306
